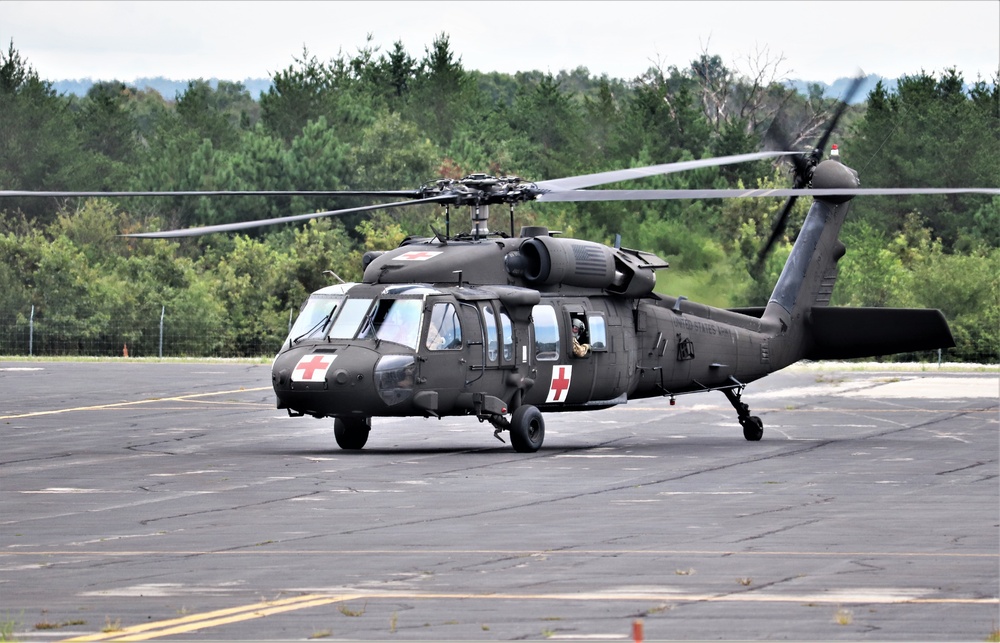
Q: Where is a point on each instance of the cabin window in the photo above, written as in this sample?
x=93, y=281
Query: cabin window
x=507, y=332
x=492, y=340
x=598, y=333
x=444, y=332
x=546, y=332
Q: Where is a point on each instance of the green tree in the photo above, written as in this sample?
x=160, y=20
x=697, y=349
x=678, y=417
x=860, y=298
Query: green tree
x=928, y=133
x=40, y=147
x=443, y=96
x=553, y=123
x=216, y=114
x=108, y=128
x=251, y=286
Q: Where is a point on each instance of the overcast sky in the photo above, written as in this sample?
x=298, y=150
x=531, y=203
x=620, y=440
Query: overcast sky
x=818, y=41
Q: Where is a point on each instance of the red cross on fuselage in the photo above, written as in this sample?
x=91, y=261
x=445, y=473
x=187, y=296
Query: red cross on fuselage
x=417, y=255
x=560, y=384
x=308, y=366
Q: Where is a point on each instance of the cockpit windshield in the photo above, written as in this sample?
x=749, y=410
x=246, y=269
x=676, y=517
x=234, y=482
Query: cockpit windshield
x=352, y=313
x=383, y=319
x=314, y=320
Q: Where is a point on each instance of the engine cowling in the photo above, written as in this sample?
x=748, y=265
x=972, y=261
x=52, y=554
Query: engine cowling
x=549, y=261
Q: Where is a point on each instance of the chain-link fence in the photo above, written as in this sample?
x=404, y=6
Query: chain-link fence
x=27, y=334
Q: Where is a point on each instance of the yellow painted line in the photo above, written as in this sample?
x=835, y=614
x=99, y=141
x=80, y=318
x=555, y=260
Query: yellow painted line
x=116, y=405
x=212, y=619
x=239, y=614
x=229, y=616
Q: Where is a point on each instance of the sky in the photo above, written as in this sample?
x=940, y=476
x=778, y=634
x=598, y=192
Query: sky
x=806, y=39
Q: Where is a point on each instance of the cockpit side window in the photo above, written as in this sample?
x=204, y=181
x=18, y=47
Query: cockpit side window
x=394, y=320
x=444, y=332
x=546, y=332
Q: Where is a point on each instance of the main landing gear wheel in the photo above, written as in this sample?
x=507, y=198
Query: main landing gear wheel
x=527, y=429
x=351, y=433
x=753, y=428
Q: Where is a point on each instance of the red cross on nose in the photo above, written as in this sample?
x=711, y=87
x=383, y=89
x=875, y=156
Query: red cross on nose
x=312, y=368
x=417, y=255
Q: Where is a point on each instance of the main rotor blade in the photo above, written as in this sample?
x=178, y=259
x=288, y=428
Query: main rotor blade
x=413, y=194
x=657, y=195
x=245, y=225
x=603, y=178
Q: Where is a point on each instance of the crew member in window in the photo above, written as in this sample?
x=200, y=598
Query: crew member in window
x=580, y=345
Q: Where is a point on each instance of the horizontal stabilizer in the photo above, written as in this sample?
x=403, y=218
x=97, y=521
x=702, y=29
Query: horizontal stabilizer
x=751, y=311
x=845, y=333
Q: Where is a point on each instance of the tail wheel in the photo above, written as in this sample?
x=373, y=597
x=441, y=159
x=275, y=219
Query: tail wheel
x=753, y=428
x=351, y=433
x=527, y=429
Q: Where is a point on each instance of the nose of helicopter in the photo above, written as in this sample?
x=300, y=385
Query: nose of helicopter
x=340, y=381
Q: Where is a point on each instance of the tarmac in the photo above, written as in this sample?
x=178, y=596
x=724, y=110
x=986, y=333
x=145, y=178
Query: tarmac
x=168, y=500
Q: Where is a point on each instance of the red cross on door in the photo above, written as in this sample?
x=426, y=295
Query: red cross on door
x=561, y=376
x=312, y=368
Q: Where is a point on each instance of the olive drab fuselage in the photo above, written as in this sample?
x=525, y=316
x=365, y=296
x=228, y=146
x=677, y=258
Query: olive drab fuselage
x=483, y=325
x=511, y=344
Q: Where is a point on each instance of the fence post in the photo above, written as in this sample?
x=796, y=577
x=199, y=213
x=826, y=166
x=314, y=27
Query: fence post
x=31, y=332
x=163, y=311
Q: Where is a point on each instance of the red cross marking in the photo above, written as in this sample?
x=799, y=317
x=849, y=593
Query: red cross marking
x=561, y=376
x=417, y=255
x=312, y=368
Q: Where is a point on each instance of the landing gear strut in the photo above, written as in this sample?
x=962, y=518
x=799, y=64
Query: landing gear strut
x=753, y=428
x=526, y=426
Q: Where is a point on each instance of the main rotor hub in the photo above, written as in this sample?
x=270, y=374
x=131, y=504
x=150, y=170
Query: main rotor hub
x=482, y=189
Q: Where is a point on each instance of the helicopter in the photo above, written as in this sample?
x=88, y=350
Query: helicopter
x=510, y=326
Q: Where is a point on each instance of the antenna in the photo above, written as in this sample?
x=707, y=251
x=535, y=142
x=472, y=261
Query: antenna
x=335, y=275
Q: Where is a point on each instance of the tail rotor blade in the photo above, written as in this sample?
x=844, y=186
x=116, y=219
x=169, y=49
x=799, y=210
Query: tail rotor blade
x=779, y=228
x=841, y=108
x=803, y=168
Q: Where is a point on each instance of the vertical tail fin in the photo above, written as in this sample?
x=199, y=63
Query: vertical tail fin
x=810, y=272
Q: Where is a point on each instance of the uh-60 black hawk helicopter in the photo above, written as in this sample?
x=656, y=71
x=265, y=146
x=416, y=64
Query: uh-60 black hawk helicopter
x=505, y=327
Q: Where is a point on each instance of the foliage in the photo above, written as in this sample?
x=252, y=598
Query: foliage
x=389, y=120
x=930, y=132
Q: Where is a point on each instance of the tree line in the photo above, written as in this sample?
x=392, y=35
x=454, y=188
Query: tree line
x=388, y=120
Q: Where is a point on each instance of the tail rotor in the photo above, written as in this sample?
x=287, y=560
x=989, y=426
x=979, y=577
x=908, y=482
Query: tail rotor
x=803, y=166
